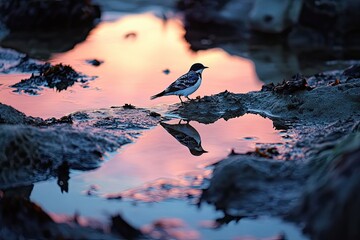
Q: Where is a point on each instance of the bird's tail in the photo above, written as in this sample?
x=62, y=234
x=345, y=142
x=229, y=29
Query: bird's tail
x=158, y=95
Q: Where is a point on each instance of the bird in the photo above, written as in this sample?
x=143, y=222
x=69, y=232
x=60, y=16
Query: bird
x=187, y=135
x=186, y=84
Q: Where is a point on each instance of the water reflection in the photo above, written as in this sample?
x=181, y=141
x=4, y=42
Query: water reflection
x=275, y=62
x=131, y=72
x=157, y=168
x=63, y=177
x=133, y=68
x=186, y=135
x=157, y=155
x=42, y=45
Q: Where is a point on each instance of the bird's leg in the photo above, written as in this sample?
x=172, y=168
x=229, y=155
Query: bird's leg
x=181, y=99
x=188, y=98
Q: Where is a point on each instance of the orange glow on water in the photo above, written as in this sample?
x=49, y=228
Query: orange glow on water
x=133, y=69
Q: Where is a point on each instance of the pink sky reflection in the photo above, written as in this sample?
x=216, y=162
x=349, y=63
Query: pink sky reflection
x=157, y=154
x=132, y=69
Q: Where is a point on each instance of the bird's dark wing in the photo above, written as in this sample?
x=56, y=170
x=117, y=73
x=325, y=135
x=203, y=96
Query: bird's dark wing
x=185, y=81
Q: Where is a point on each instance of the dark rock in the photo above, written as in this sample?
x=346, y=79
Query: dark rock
x=95, y=62
x=296, y=83
x=18, y=192
x=30, y=15
x=129, y=106
x=155, y=114
x=211, y=108
x=209, y=22
x=325, y=79
x=29, y=154
x=120, y=227
x=352, y=72
x=242, y=184
x=12, y=61
x=301, y=104
x=53, y=121
x=9, y=115
x=319, y=190
x=23, y=219
x=264, y=152
x=57, y=76
x=166, y=71
x=267, y=87
x=330, y=205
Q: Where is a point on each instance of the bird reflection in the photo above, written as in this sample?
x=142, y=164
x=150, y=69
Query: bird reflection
x=187, y=135
x=63, y=172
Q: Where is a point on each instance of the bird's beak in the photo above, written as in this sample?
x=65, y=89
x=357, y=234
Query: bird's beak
x=205, y=67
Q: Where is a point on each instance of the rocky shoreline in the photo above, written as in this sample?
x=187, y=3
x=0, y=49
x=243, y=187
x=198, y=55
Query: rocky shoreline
x=320, y=115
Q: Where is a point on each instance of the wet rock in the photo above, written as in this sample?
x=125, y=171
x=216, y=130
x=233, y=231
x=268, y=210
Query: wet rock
x=57, y=76
x=265, y=152
x=318, y=190
x=331, y=16
x=30, y=15
x=155, y=114
x=22, y=219
x=274, y=16
x=242, y=184
x=120, y=227
x=330, y=205
x=296, y=83
x=352, y=72
x=306, y=23
x=325, y=79
x=129, y=106
x=29, y=154
x=114, y=121
x=9, y=115
x=211, y=108
x=12, y=61
x=209, y=22
x=320, y=103
x=54, y=121
x=17, y=192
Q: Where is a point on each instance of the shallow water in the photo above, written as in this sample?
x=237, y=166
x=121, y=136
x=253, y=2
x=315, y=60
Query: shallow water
x=133, y=71
x=133, y=68
x=155, y=158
